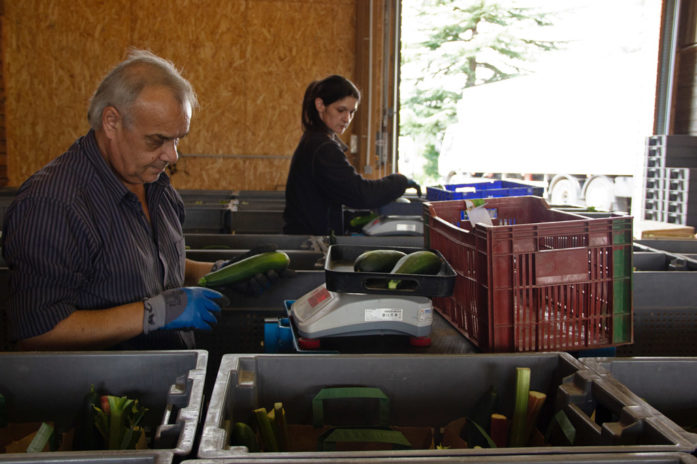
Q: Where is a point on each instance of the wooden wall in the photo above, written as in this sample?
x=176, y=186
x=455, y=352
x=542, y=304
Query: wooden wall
x=249, y=61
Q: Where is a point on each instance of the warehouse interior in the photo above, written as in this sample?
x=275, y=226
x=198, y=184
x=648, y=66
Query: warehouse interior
x=546, y=333
x=249, y=77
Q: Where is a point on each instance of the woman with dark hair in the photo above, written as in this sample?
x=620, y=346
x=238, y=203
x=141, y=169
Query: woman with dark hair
x=321, y=179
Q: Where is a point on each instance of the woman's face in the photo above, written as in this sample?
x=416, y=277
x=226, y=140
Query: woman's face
x=338, y=115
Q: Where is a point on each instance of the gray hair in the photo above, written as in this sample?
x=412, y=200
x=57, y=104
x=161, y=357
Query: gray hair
x=121, y=87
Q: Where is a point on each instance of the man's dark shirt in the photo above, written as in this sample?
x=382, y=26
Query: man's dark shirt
x=76, y=238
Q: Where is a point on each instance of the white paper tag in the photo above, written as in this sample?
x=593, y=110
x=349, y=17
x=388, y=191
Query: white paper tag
x=406, y=227
x=383, y=314
x=478, y=214
x=425, y=315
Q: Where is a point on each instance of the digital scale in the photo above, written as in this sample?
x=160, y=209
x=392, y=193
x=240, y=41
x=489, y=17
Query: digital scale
x=395, y=225
x=355, y=304
x=323, y=313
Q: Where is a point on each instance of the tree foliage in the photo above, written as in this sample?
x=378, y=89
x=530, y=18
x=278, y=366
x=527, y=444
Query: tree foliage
x=459, y=44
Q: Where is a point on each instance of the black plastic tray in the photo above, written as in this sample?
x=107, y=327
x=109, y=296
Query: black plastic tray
x=340, y=276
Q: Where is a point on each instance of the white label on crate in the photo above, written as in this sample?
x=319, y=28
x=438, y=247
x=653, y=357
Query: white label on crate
x=383, y=314
x=407, y=227
x=425, y=315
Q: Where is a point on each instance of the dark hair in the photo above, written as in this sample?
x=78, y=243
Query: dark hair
x=329, y=89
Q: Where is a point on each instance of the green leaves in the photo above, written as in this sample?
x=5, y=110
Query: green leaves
x=451, y=45
x=119, y=426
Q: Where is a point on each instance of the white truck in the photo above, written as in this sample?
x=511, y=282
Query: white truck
x=581, y=135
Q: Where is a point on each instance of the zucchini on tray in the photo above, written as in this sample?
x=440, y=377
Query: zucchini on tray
x=388, y=270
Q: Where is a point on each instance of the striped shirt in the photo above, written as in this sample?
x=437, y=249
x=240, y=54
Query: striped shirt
x=76, y=238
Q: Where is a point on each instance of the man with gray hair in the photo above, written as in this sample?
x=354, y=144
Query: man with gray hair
x=94, y=239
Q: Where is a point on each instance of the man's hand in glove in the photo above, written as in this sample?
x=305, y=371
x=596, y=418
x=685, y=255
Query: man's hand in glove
x=411, y=183
x=257, y=284
x=181, y=308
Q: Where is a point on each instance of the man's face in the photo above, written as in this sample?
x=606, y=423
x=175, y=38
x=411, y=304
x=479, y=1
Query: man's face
x=338, y=115
x=144, y=144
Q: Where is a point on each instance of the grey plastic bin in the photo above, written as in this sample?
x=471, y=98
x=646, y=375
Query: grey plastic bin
x=207, y=219
x=432, y=391
x=248, y=241
x=664, y=298
x=665, y=383
x=299, y=259
x=673, y=246
x=601, y=458
x=93, y=457
x=253, y=221
x=51, y=386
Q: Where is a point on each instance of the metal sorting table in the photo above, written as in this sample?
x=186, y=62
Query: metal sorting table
x=240, y=327
x=596, y=458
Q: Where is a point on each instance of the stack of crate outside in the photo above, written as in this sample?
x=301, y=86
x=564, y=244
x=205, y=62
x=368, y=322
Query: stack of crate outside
x=670, y=189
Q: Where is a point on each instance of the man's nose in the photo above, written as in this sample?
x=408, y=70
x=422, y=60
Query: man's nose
x=170, y=153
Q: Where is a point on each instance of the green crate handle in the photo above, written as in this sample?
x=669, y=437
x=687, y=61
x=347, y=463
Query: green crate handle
x=331, y=393
x=328, y=440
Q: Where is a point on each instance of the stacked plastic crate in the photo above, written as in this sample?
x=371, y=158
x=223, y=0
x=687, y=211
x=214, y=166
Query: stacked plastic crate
x=670, y=189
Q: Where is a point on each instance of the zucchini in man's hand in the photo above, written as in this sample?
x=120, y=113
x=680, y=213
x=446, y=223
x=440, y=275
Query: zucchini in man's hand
x=246, y=268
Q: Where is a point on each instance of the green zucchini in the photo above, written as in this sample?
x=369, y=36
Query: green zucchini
x=246, y=268
x=417, y=262
x=280, y=426
x=377, y=260
x=243, y=435
x=360, y=221
x=268, y=437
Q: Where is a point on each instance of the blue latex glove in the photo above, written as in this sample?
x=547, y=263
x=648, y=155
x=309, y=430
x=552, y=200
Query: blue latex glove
x=181, y=308
x=411, y=183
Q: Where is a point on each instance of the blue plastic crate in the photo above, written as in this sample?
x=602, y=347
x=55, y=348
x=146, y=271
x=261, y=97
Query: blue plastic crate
x=490, y=189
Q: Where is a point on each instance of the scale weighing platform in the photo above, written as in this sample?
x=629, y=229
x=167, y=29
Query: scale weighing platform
x=395, y=225
x=357, y=304
x=323, y=313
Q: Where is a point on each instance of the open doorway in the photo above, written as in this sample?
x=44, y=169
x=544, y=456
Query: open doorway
x=558, y=93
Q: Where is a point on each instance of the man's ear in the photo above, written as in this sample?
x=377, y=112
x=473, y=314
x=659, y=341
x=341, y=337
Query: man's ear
x=111, y=120
x=319, y=105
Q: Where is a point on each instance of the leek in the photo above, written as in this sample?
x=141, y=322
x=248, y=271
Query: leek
x=520, y=411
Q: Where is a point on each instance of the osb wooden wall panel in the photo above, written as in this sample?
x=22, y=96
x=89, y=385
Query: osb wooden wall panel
x=55, y=53
x=249, y=61
x=372, y=83
x=3, y=140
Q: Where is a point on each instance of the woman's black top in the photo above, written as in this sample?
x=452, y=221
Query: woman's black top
x=321, y=180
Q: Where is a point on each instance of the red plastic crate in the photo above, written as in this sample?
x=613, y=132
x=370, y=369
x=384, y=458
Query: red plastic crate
x=539, y=279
